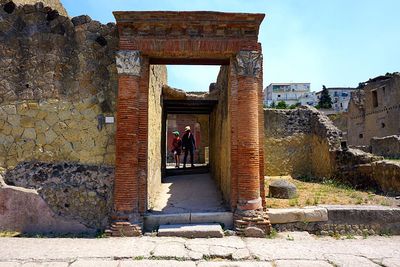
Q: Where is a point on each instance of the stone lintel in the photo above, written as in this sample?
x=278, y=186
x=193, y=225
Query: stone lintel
x=191, y=23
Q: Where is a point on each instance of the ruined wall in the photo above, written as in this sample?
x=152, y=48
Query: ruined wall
x=220, y=134
x=367, y=171
x=82, y=193
x=378, y=116
x=56, y=76
x=388, y=147
x=158, y=78
x=340, y=121
x=305, y=142
x=299, y=142
x=286, y=134
x=54, y=4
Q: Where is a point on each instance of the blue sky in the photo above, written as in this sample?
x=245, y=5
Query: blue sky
x=330, y=42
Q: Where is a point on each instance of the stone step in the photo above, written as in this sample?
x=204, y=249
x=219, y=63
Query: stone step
x=191, y=230
x=153, y=221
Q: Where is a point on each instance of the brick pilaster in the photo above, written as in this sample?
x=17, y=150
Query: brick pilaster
x=143, y=126
x=261, y=137
x=126, y=220
x=249, y=209
x=126, y=165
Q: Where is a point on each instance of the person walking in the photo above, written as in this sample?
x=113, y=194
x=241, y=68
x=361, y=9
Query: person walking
x=176, y=148
x=188, y=146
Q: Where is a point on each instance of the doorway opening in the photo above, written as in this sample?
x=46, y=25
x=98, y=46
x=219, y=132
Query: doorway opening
x=179, y=159
x=184, y=188
x=236, y=132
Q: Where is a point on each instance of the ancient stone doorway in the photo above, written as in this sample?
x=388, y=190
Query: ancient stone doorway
x=190, y=189
x=228, y=39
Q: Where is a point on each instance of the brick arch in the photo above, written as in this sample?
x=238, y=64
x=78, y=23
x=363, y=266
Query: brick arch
x=207, y=38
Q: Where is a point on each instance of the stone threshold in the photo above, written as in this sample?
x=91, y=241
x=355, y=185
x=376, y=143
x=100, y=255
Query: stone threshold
x=153, y=221
x=207, y=230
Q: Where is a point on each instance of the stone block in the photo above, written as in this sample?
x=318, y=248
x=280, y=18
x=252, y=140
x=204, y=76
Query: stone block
x=79, y=20
x=23, y=210
x=191, y=230
x=253, y=232
x=225, y=218
x=310, y=214
x=387, y=218
x=27, y=122
x=153, y=221
x=50, y=136
x=29, y=133
x=14, y=120
x=282, y=189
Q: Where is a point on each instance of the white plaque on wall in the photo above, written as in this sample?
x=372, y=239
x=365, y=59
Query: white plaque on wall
x=109, y=120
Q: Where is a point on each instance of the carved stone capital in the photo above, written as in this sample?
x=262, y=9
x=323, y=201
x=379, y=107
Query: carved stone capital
x=129, y=62
x=248, y=63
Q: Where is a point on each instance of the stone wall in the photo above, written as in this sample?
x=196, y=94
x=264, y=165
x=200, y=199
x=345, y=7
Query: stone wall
x=304, y=142
x=158, y=78
x=54, y=4
x=374, y=110
x=367, y=171
x=57, y=75
x=299, y=142
x=77, y=192
x=54, y=57
x=220, y=134
x=54, y=130
x=388, y=147
x=340, y=121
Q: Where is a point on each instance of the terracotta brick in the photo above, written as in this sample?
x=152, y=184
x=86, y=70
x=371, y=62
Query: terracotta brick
x=191, y=37
x=126, y=165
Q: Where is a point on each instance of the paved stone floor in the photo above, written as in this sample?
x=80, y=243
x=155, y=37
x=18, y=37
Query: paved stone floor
x=188, y=193
x=288, y=249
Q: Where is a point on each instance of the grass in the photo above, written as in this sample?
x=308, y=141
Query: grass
x=272, y=234
x=326, y=192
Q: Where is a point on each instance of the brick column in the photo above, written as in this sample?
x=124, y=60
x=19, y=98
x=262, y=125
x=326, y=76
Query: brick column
x=250, y=219
x=126, y=217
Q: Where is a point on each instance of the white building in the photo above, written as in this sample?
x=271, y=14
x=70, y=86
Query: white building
x=291, y=93
x=340, y=97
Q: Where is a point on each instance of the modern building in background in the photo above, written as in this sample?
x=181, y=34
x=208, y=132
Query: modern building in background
x=340, y=98
x=291, y=93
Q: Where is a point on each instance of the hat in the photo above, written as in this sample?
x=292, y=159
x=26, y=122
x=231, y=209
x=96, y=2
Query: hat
x=175, y=132
x=187, y=128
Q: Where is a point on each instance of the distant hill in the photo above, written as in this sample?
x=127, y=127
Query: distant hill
x=54, y=4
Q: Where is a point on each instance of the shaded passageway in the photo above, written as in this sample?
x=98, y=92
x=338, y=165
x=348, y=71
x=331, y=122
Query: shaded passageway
x=188, y=193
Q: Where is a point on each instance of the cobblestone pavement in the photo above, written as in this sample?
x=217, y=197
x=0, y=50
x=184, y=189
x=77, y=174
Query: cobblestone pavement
x=288, y=249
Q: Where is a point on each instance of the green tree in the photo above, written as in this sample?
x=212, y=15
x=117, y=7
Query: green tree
x=273, y=105
x=325, y=101
x=295, y=105
x=281, y=105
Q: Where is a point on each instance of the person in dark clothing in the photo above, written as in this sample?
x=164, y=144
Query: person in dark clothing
x=188, y=146
x=176, y=148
